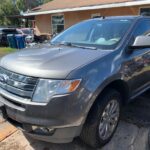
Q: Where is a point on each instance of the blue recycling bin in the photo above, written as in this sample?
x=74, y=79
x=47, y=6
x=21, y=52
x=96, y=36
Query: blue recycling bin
x=12, y=41
x=20, y=40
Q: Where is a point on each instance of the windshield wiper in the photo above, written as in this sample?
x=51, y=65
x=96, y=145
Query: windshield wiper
x=84, y=47
x=75, y=45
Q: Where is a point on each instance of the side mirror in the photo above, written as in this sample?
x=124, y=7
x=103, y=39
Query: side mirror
x=140, y=42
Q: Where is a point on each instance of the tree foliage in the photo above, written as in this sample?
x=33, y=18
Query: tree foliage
x=46, y=1
x=7, y=9
x=10, y=8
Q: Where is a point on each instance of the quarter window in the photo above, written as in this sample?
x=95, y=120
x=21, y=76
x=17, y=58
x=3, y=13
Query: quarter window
x=57, y=23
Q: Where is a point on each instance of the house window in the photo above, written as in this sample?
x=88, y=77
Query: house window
x=145, y=11
x=97, y=15
x=57, y=23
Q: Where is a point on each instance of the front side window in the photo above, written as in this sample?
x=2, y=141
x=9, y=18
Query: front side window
x=143, y=28
x=104, y=34
x=57, y=24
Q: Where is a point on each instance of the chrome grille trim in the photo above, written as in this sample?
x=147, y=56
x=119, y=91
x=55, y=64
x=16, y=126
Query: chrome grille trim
x=19, y=92
x=19, y=77
x=20, y=85
x=24, y=79
x=18, y=99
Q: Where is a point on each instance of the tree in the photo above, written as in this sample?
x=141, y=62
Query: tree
x=29, y=4
x=10, y=8
x=7, y=9
x=46, y=1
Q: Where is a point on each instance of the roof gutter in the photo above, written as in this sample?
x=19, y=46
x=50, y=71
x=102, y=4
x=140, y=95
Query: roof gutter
x=114, y=5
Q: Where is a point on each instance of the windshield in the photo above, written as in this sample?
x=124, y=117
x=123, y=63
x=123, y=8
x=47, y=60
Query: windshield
x=104, y=34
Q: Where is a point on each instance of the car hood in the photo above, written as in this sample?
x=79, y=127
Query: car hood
x=50, y=62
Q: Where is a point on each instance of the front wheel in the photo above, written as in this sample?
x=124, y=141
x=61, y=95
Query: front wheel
x=103, y=119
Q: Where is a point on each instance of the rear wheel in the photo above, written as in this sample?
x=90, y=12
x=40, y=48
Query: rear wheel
x=103, y=119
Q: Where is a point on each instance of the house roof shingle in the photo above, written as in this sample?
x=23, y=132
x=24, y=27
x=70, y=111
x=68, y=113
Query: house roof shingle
x=59, y=4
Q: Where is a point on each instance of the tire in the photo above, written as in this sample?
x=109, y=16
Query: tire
x=149, y=139
x=92, y=133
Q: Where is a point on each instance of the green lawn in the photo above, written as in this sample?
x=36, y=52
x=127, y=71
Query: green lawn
x=6, y=50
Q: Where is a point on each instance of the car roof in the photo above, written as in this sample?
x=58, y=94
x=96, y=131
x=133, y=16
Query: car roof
x=24, y=28
x=9, y=29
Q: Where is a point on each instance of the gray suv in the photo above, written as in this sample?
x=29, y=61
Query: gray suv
x=77, y=85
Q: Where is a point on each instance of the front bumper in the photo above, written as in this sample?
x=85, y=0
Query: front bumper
x=65, y=114
x=59, y=135
x=63, y=135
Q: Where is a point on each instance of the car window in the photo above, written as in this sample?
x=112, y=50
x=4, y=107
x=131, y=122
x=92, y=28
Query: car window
x=104, y=34
x=9, y=31
x=79, y=33
x=27, y=31
x=19, y=32
x=142, y=28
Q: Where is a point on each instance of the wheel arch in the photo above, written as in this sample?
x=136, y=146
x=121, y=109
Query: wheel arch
x=119, y=85
x=91, y=125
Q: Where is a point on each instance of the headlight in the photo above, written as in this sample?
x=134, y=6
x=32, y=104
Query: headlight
x=46, y=89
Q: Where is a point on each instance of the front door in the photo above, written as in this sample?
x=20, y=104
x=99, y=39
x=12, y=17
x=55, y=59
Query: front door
x=137, y=64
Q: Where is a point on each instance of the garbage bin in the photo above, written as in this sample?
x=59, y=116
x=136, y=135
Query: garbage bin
x=11, y=41
x=20, y=40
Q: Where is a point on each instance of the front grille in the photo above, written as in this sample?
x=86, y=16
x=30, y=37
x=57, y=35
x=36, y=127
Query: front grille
x=17, y=84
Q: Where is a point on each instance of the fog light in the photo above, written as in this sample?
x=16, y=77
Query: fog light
x=43, y=130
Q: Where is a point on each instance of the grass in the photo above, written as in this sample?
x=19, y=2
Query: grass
x=6, y=50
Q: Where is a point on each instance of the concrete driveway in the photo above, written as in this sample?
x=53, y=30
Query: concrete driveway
x=132, y=133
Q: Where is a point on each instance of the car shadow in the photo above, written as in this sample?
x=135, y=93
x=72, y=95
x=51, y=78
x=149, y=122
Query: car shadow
x=77, y=144
x=137, y=112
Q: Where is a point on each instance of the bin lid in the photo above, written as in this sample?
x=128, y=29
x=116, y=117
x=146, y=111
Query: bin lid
x=19, y=35
x=10, y=35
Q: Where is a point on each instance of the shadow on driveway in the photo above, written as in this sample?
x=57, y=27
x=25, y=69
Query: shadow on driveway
x=132, y=132
x=77, y=144
x=138, y=111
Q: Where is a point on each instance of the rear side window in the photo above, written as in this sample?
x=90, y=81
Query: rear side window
x=143, y=28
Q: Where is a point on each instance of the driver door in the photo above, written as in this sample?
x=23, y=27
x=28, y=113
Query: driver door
x=138, y=63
